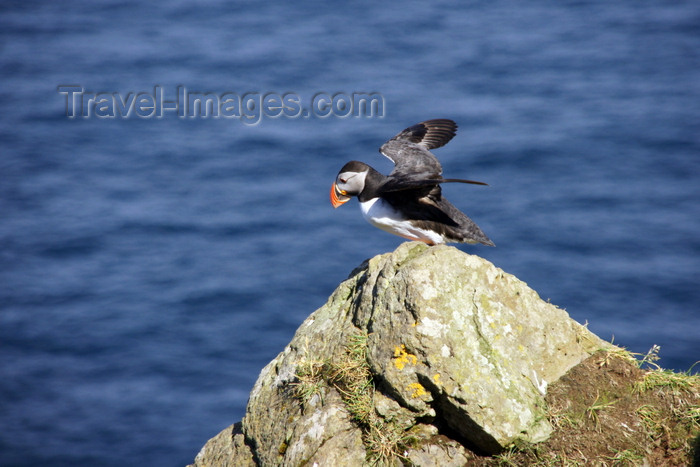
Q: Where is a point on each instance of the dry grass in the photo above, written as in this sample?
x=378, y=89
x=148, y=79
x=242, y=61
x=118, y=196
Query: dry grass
x=309, y=383
x=385, y=441
x=666, y=380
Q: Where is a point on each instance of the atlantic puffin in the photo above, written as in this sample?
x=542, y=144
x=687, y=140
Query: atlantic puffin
x=409, y=202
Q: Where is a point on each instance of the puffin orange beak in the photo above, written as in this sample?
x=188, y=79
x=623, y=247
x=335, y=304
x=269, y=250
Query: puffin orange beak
x=338, y=197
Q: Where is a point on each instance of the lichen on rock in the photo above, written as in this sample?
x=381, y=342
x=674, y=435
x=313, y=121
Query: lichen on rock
x=457, y=352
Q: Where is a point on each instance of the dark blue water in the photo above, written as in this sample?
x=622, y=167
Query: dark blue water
x=150, y=267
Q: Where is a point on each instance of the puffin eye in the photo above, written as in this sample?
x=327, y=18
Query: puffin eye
x=342, y=180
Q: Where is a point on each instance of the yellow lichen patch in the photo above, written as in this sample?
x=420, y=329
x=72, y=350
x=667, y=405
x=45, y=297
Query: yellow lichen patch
x=436, y=378
x=402, y=358
x=417, y=389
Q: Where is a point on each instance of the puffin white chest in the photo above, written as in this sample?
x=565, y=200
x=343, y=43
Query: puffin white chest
x=382, y=215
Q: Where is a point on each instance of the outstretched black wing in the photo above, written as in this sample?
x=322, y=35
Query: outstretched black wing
x=415, y=167
x=410, y=149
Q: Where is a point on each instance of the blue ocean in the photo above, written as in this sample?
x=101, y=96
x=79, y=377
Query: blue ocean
x=165, y=224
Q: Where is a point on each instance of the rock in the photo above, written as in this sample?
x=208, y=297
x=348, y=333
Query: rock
x=227, y=449
x=420, y=353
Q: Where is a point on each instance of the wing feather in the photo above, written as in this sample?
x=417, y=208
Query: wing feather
x=410, y=149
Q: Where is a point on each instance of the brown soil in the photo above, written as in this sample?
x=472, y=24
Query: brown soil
x=603, y=417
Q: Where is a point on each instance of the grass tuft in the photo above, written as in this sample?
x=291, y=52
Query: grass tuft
x=650, y=417
x=310, y=382
x=628, y=457
x=667, y=380
x=385, y=441
x=599, y=404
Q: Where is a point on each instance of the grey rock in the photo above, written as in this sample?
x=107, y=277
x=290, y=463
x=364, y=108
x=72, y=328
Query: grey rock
x=453, y=344
x=227, y=449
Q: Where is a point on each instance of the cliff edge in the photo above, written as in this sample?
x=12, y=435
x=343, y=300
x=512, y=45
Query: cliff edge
x=424, y=356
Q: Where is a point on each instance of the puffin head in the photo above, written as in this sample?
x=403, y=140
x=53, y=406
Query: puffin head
x=349, y=182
